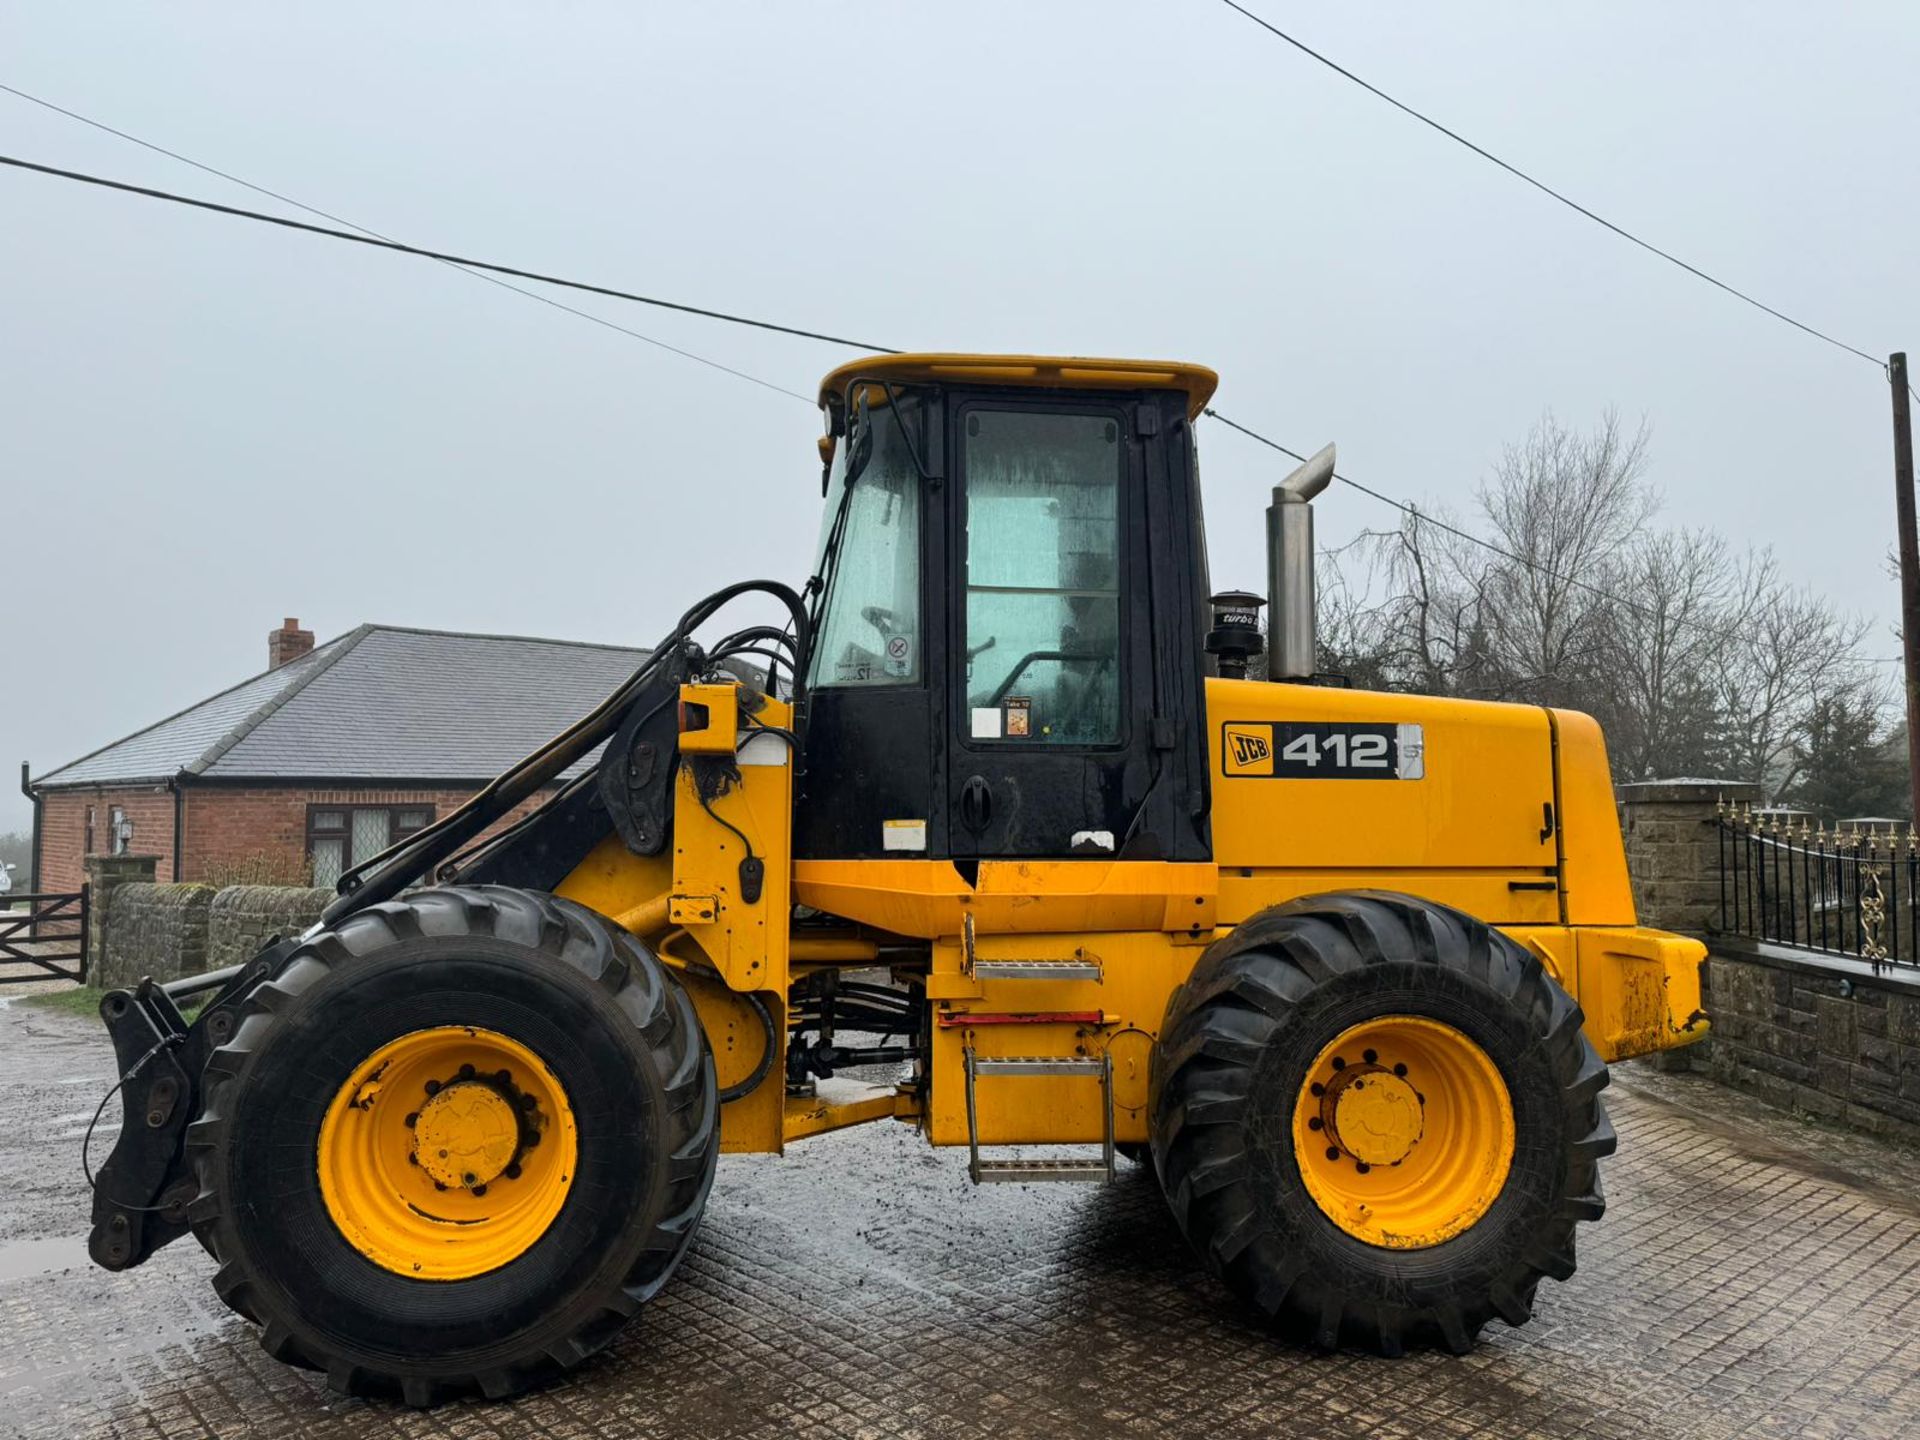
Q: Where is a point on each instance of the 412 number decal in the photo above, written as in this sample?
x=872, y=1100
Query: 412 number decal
x=1302, y=750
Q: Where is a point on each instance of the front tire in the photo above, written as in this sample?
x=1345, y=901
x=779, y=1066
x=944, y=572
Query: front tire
x=1464, y=1167
x=520, y=1031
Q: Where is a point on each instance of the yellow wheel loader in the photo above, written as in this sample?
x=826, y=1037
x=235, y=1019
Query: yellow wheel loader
x=998, y=816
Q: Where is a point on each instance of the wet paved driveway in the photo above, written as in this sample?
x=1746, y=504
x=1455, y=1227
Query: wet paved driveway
x=1752, y=1277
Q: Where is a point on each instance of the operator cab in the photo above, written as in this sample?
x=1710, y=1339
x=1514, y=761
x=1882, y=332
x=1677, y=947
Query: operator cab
x=1009, y=604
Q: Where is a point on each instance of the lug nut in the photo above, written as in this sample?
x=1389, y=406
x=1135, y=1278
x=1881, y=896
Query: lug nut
x=505, y=1077
x=1369, y=1056
x=526, y=1102
x=533, y=1139
x=1313, y=1122
x=413, y=1118
x=1333, y=1152
x=512, y=1172
x=466, y=1072
x=1362, y=1166
x=438, y=1186
x=478, y=1189
x=1400, y=1070
x=1317, y=1088
x=433, y=1087
x=1338, y=1063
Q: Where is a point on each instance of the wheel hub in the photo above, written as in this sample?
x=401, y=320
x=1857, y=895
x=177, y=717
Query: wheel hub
x=1373, y=1114
x=467, y=1134
x=447, y=1152
x=1403, y=1132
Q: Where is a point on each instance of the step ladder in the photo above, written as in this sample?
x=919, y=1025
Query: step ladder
x=1099, y=1067
x=1081, y=966
x=1037, y=969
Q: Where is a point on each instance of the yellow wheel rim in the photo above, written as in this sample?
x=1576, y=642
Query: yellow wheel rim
x=447, y=1153
x=1403, y=1132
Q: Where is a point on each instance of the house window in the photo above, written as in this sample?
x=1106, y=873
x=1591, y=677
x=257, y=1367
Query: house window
x=342, y=836
x=121, y=831
x=89, y=850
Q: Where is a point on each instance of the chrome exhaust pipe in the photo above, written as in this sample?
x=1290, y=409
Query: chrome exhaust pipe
x=1292, y=629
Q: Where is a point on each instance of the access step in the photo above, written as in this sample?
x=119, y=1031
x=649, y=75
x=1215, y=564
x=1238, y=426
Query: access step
x=988, y=1171
x=1092, y=1067
x=1037, y=970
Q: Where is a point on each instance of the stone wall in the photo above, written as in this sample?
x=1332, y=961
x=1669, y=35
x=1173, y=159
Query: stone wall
x=139, y=928
x=245, y=917
x=1673, y=849
x=157, y=930
x=1821, y=1035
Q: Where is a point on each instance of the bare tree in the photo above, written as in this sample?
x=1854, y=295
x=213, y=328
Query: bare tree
x=1694, y=660
x=1567, y=506
x=1653, y=691
x=1786, y=653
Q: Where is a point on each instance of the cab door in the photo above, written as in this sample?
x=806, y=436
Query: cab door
x=1049, y=668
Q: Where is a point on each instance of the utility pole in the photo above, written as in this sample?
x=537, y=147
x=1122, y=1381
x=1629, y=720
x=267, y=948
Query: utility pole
x=1909, y=566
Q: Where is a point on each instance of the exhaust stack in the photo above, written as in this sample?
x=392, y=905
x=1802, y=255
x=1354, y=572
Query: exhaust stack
x=1292, y=630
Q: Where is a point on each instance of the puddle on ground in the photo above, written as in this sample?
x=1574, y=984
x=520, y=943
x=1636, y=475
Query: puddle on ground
x=20, y=1259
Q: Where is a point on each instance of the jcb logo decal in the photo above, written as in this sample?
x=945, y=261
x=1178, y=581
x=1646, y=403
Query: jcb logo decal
x=1249, y=749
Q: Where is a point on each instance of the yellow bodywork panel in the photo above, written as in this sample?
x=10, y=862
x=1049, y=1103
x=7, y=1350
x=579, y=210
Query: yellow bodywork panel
x=1462, y=819
x=1039, y=372
x=1595, y=864
x=841, y=1103
x=928, y=899
x=690, y=906
x=1639, y=989
x=1119, y=1014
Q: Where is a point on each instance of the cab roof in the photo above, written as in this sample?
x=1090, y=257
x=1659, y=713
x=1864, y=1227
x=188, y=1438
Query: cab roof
x=1038, y=372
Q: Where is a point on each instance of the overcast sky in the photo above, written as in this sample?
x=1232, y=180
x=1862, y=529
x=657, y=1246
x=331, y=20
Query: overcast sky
x=207, y=425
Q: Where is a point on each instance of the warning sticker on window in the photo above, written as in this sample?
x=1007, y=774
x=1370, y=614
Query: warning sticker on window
x=1321, y=750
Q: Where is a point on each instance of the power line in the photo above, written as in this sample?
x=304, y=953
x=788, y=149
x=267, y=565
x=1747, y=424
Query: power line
x=1407, y=508
x=473, y=266
x=284, y=199
x=1547, y=189
x=379, y=243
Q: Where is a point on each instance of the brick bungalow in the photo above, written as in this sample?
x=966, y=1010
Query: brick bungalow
x=321, y=760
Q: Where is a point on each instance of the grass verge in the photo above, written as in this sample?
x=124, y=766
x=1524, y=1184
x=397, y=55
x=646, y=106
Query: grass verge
x=81, y=1000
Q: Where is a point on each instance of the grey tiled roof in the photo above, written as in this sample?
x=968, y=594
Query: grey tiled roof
x=379, y=703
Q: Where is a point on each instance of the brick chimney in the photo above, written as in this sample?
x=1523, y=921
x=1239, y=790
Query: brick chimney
x=289, y=642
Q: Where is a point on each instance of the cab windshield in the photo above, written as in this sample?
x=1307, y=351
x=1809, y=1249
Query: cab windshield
x=868, y=625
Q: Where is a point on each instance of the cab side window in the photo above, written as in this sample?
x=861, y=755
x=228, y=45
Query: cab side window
x=1042, y=566
x=870, y=625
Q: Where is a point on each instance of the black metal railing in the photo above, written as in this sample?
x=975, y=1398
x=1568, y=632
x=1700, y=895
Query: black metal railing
x=1851, y=890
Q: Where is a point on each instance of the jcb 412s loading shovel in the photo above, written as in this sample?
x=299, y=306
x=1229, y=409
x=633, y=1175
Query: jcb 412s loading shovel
x=998, y=807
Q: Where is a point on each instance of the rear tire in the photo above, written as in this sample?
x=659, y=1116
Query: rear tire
x=1232, y=1068
x=618, y=1037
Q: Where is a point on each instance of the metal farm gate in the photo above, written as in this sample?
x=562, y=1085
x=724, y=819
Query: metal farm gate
x=47, y=938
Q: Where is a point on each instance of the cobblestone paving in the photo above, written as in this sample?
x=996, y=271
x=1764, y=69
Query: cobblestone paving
x=1752, y=1277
